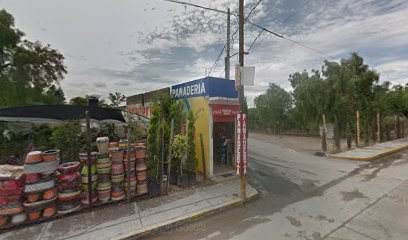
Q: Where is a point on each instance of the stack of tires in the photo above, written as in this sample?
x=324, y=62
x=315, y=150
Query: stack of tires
x=117, y=174
x=69, y=191
x=11, y=190
x=40, y=188
x=141, y=169
x=103, y=167
x=130, y=171
x=86, y=195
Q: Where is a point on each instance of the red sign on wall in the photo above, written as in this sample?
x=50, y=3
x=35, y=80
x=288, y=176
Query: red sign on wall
x=224, y=110
x=241, y=145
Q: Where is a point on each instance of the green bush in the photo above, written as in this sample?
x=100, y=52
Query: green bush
x=191, y=162
x=69, y=139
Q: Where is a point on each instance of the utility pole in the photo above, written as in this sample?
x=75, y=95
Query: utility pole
x=241, y=90
x=228, y=47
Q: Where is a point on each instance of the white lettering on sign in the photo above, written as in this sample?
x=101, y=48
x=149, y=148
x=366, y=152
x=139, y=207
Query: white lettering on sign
x=238, y=144
x=241, y=144
x=244, y=144
x=189, y=90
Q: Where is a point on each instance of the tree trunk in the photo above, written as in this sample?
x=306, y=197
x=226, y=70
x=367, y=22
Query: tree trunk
x=349, y=136
x=337, y=134
x=398, y=127
x=366, y=130
x=373, y=131
x=357, y=129
x=324, y=138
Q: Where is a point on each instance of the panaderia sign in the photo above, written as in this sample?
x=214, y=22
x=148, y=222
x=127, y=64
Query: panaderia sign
x=190, y=89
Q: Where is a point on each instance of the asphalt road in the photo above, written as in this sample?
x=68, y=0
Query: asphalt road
x=303, y=196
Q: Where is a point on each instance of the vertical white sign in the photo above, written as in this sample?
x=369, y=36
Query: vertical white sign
x=244, y=144
x=248, y=76
x=237, y=76
x=238, y=147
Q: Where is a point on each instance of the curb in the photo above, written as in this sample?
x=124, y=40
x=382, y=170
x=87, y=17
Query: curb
x=162, y=227
x=385, y=153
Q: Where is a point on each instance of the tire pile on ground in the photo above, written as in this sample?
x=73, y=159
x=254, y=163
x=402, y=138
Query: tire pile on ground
x=103, y=167
x=141, y=169
x=11, y=190
x=69, y=191
x=85, y=198
x=117, y=173
x=130, y=171
x=40, y=187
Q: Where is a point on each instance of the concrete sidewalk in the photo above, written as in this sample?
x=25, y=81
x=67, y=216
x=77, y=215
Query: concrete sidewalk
x=138, y=218
x=375, y=151
x=386, y=218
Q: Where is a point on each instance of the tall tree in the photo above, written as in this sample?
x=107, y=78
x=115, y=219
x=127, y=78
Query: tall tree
x=84, y=101
x=30, y=72
x=273, y=107
x=311, y=99
x=116, y=99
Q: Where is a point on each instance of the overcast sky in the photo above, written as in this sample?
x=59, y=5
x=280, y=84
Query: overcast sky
x=133, y=46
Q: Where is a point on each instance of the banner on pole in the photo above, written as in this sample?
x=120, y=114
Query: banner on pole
x=238, y=148
x=244, y=143
x=241, y=144
x=247, y=76
x=237, y=76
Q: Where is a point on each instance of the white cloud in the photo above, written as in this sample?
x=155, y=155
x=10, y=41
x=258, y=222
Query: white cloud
x=395, y=72
x=105, y=41
x=373, y=36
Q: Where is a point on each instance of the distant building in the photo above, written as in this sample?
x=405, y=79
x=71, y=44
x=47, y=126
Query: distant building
x=215, y=101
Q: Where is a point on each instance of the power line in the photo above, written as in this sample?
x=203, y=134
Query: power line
x=216, y=10
x=293, y=41
x=295, y=12
x=231, y=64
x=247, y=17
x=252, y=44
x=287, y=18
x=195, y=5
x=222, y=73
x=217, y=60
x=253, y=8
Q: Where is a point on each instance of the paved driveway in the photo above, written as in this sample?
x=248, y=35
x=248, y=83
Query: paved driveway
x=308, y=197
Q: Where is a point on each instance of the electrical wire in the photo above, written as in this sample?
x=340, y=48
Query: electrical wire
x=287, y=19
x=222, y=73
x=296, y=11
x=246, y=18
x=217, y=60
x=253, y=8
x=253, y=42
x=231, y=64
x=293, y=41
x=195, y=5
x=216, y=10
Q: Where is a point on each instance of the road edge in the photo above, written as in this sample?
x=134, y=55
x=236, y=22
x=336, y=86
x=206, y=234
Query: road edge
x=189, y=218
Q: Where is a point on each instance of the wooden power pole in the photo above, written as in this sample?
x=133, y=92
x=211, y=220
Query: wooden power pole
x=228, y=47
x=241, y=90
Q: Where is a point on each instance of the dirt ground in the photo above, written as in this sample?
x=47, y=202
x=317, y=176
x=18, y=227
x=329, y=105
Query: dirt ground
x=306, y=144
x=309, y=145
